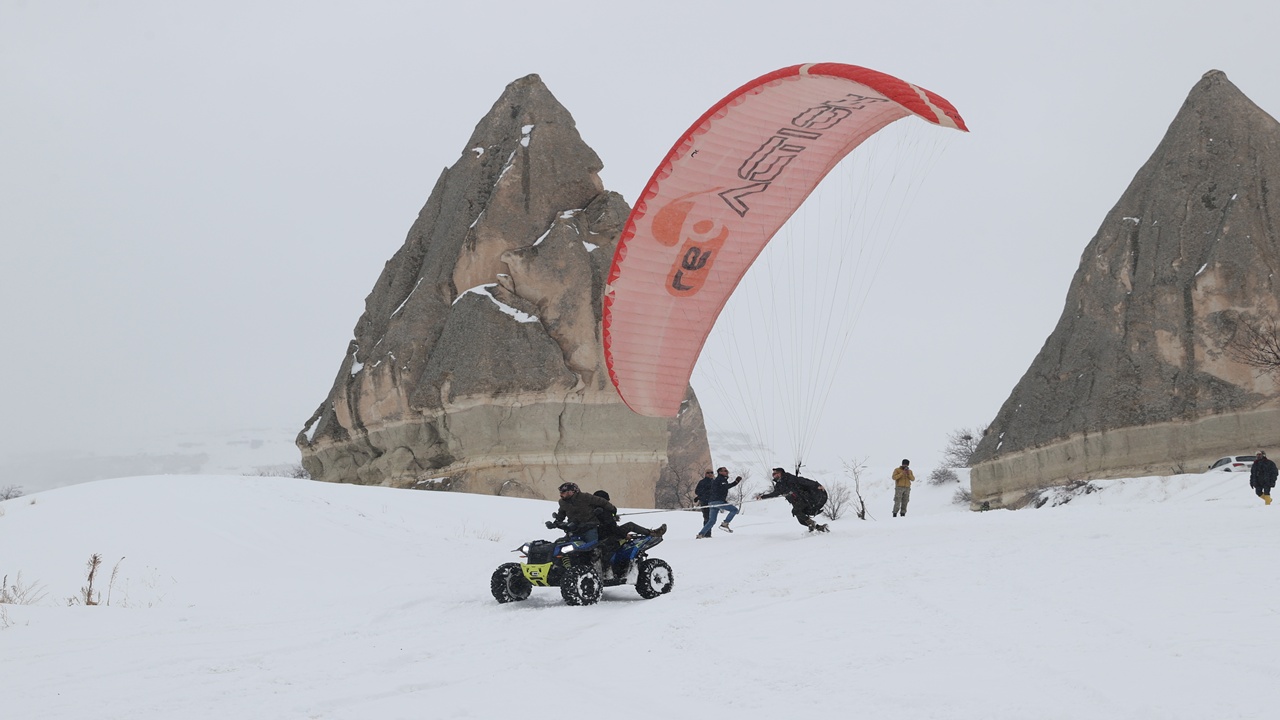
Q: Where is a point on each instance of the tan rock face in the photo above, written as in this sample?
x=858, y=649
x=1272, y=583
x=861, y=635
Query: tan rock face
x=477, y=364
x=1135, y=379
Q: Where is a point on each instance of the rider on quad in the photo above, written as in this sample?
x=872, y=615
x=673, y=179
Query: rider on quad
x=580, y=511
x=582, y=514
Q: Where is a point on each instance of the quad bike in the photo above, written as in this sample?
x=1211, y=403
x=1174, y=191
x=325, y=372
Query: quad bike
x=574, y=565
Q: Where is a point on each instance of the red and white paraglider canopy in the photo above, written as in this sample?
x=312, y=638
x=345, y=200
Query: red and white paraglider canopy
x=720, y=194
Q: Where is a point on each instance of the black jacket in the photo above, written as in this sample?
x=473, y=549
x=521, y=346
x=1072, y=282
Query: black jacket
x=789, y=484
x=580, y=509
x=704, y=490
x=720, y=490
x=1263, y=474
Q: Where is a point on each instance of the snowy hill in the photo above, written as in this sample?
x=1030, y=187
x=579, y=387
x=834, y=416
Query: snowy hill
x=251, y=597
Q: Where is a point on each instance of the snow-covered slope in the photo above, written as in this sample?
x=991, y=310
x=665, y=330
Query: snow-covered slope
x=250, y=597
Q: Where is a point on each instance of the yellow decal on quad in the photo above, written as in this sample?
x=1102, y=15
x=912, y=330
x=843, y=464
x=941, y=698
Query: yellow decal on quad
x=537, y=574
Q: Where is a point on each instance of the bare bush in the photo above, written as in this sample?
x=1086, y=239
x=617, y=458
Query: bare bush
x=10, y=492
x=1252, y=341
x=961, y=445
x=963, y=496
x=942, y=476
x=290, y=471
x=853, y=470
x=838, y=497
x=674, y=489
x=743, y=490
x=20, y=593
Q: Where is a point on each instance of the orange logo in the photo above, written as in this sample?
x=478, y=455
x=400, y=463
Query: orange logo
x=700, y=241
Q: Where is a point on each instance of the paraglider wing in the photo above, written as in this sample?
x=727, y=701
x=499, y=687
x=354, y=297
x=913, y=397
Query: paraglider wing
x=720, y=194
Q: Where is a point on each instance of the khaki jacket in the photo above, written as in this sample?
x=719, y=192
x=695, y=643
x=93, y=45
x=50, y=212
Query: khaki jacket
x=903, y=477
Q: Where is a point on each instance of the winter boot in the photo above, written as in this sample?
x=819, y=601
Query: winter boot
x=821, y=528
x=660, y=530
x=813, y=526
x=725, y=526
x=1267, y=498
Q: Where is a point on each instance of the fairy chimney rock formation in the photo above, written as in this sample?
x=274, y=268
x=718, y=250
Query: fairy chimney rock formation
x=1139, y=377
x=477, y=364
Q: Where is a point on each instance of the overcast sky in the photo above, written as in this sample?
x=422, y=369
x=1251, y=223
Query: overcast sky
x=195, y=198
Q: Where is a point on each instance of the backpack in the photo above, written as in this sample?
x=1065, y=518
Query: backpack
x=804, y=484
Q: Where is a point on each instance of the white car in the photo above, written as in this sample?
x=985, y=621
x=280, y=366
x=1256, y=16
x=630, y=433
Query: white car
x=1234, y=463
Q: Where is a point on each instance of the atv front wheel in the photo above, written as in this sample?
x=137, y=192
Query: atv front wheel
x=580, y=585
x=509, y=584
x=655, y=578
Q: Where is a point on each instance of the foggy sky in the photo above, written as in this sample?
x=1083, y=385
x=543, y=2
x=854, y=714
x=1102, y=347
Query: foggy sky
x=195, y=201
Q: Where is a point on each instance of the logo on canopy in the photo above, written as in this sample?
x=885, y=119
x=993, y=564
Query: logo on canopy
x=699, y=237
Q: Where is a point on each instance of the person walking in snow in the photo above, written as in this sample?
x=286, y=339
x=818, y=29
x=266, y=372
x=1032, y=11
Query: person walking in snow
x=1262, y=476
x=719, y=499
x=702, y=498
x=902, y=479
x=807, y=497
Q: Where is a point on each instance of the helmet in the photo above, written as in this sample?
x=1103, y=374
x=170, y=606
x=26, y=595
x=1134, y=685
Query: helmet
x=566, y=487
x=601, y=494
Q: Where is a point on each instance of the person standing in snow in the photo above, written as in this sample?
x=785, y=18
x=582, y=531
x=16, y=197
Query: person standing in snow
x=702, y=498
x=807, y=497
x=902, y=479
x=719, y=499
x=1262, y=476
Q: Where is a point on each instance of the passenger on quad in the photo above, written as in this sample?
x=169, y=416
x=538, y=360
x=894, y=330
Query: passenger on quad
x=609, y=527
x=806, y=497
x=579, y=509
x=612, y=535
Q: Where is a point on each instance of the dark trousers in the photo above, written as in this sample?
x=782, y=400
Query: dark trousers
x=805, y=507
x=630, y=527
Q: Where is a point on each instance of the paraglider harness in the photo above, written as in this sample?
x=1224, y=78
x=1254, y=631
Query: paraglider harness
x=806, y=496
x=811, y=497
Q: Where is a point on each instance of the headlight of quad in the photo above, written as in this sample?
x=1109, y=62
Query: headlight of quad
x=524, y=549
x=566, y=549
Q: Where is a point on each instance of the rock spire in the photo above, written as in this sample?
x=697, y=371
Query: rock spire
x=1137, y=377
x=477, y=364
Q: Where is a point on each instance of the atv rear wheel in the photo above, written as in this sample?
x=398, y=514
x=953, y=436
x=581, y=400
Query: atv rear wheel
x=581, y=585
x=655, y=579
x=509, y=584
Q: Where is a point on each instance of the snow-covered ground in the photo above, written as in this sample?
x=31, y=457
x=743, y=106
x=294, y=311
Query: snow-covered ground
x=252, y=597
